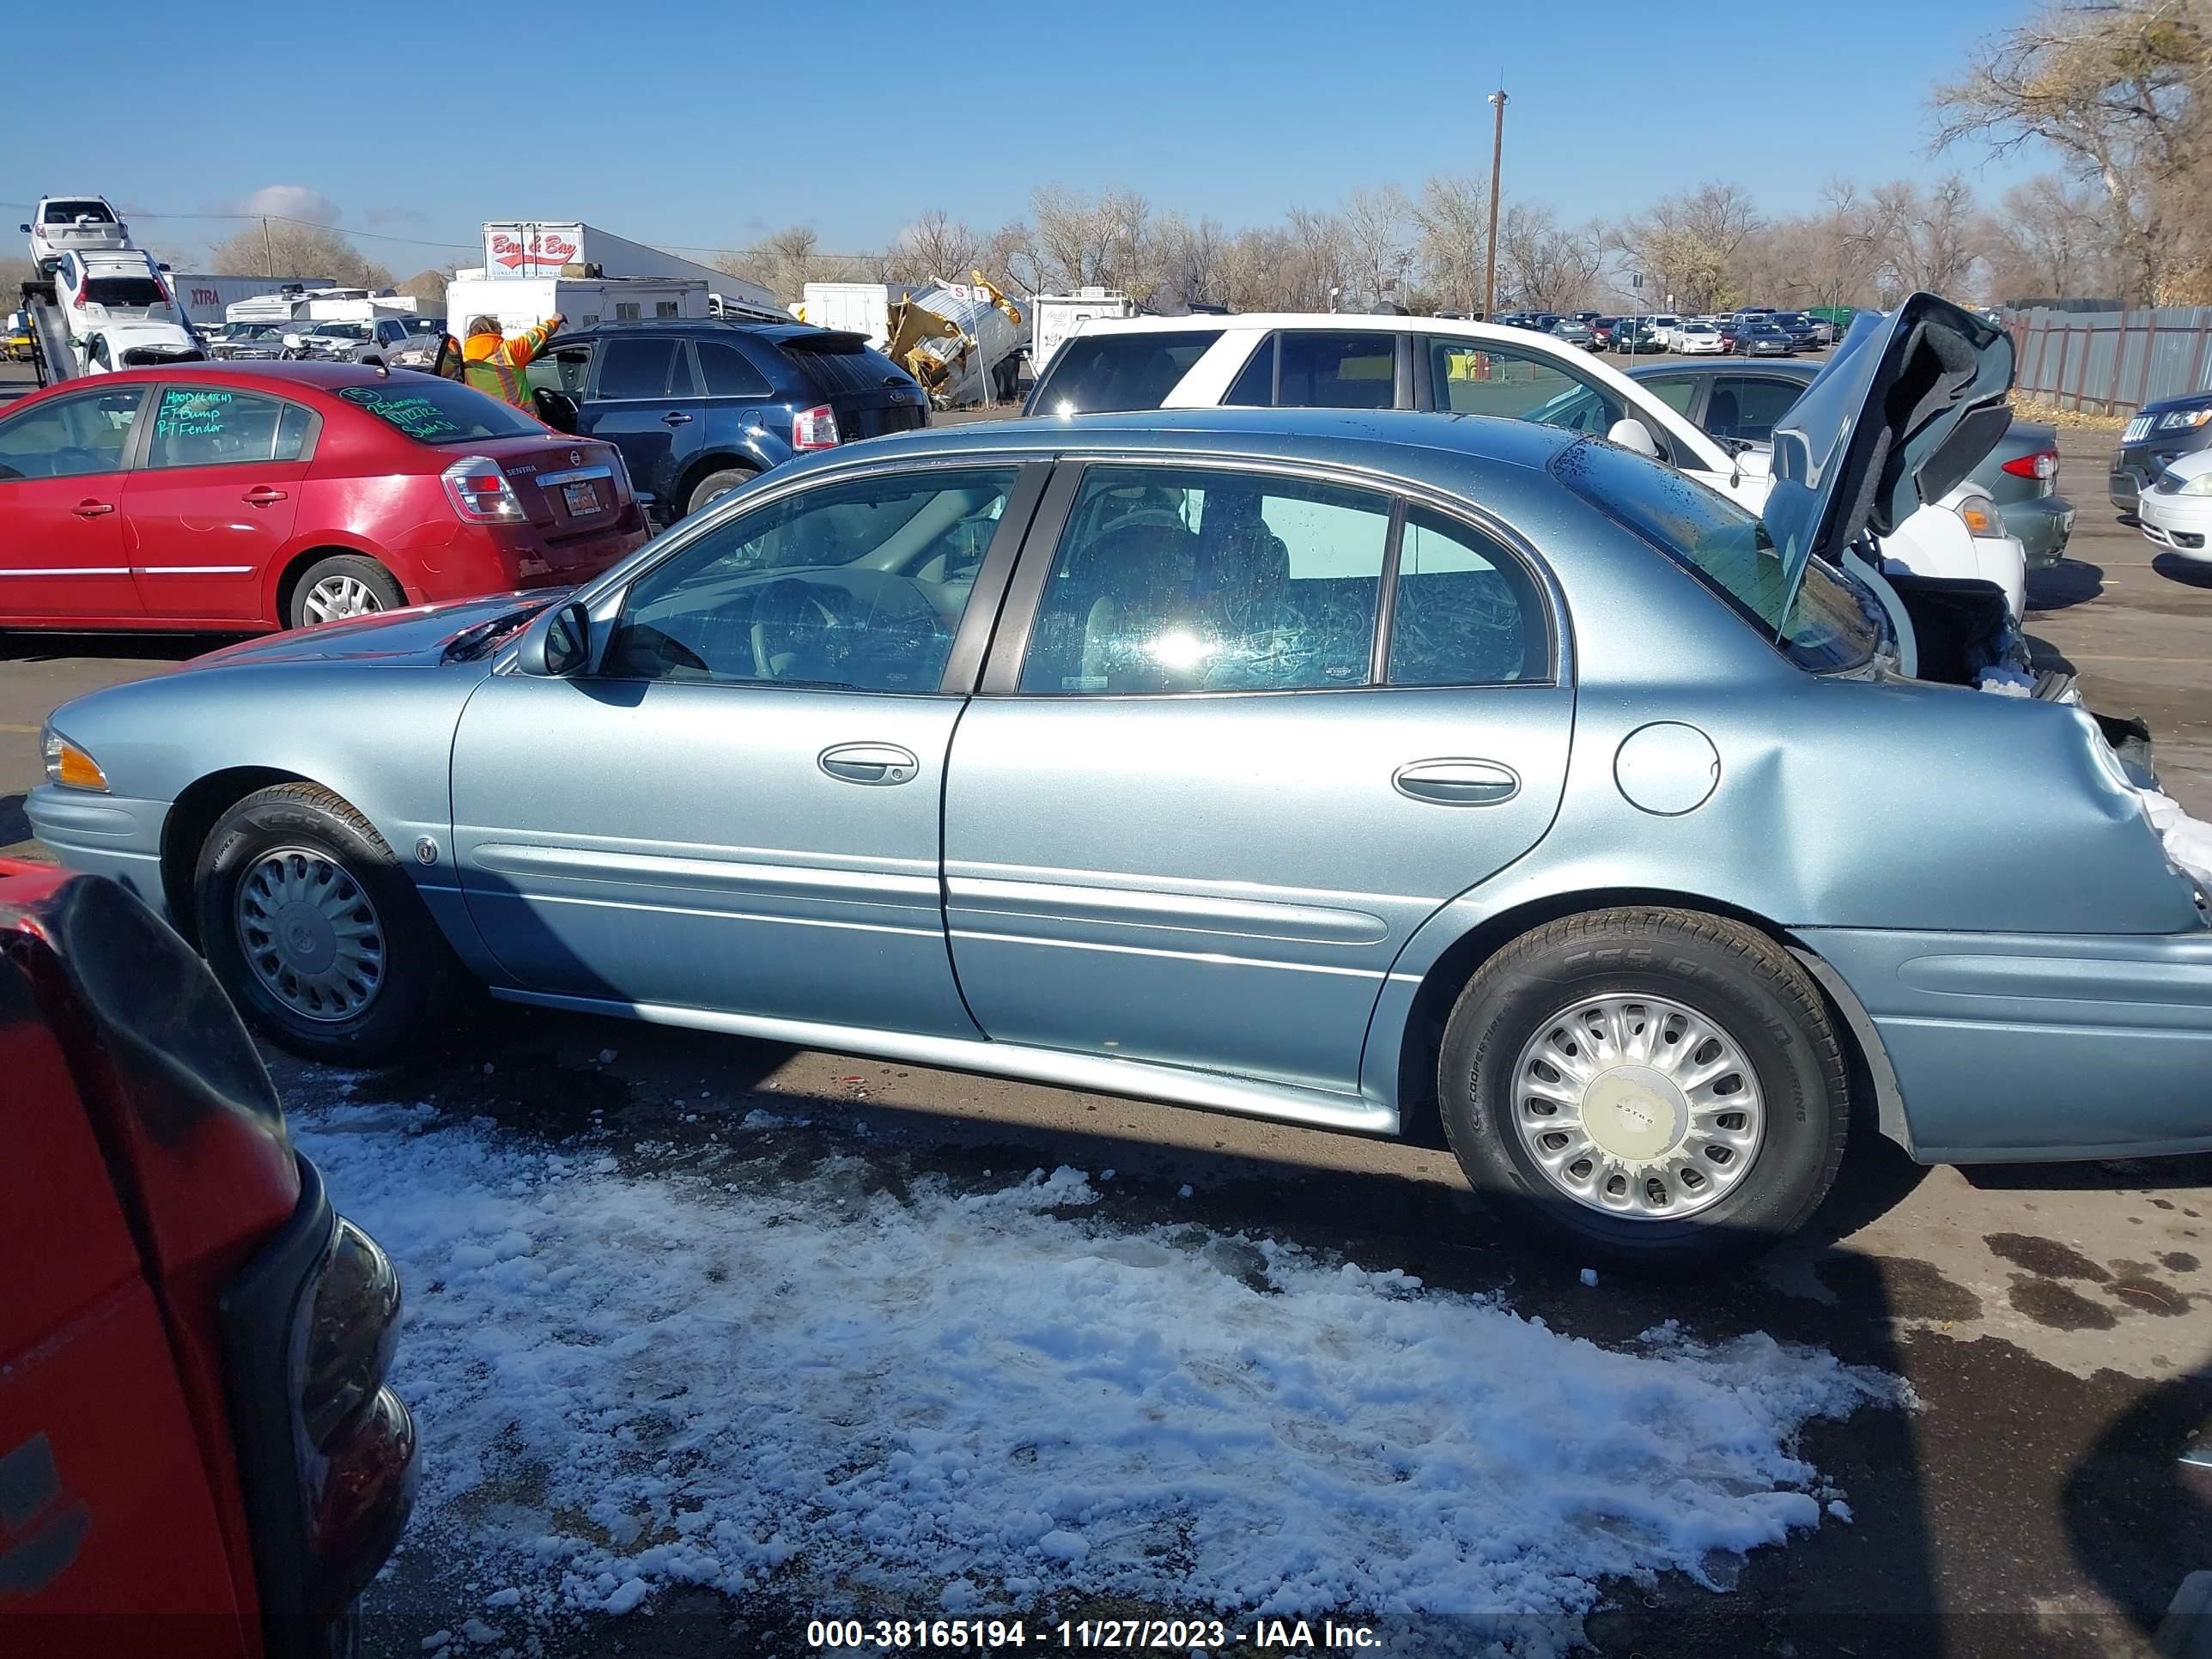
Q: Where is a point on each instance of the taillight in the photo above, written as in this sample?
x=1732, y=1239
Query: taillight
x=2043, y=464
x=355, y=1441
x=814, y=428
x=480, y=492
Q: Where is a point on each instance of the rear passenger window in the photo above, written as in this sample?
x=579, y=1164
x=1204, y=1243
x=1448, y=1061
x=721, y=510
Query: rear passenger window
x=1747, y=406
x=1466, y=612
x=1337, y=371
x=638, y=367
x=727, y=373
x=209, y=426
x=1093, y=374
x=1255, y=386
x=1168, y=580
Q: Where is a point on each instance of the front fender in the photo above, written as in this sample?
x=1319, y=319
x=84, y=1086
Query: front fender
x=380, y=734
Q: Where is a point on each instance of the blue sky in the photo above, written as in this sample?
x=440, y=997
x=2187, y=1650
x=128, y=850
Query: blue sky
x=698, y=125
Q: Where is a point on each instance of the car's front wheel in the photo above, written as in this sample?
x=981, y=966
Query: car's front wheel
x=1662, y=1089
x=315, y=929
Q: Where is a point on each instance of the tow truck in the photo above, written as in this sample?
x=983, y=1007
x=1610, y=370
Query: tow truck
x=44, y=324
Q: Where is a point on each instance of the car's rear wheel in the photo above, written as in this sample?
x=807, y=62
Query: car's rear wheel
x=715, y=485
x=1662, y=1089
x=313, y=928
x=343, y=585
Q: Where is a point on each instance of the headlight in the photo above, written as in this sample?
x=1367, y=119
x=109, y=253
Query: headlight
x=2182, y=419
x=2199, y=485
x=1981, y=519
x=69, y=765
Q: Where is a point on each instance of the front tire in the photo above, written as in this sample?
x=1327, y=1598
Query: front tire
x=1660, y=1090
x=317, y=934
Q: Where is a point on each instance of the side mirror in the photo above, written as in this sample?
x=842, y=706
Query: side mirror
x=25, y=229
x=1632, y=433
x=566, y=643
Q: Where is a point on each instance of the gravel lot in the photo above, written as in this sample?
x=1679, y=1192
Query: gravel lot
x=2055, y=1323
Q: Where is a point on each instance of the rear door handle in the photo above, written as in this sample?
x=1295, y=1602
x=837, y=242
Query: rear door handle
x=1457, y=783
x=262, y=495
x=92, y=509
x=677, y=418
x=869, y=762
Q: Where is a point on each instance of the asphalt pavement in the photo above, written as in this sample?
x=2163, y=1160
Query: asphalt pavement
x=2054, y=1322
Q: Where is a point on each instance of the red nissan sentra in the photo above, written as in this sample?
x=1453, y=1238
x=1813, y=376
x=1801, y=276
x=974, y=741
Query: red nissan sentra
x=220, y=496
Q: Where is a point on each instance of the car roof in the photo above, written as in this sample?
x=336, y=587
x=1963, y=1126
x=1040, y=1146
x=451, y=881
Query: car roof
x=316, y=377
x=1350, y=322
x=792, y=329
x=1788, y=365
x=1352, y=435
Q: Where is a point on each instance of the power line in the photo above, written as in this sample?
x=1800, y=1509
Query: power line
x=421, y=242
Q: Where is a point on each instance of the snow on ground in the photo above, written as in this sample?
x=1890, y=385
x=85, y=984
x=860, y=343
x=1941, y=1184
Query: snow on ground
x=917, y=1397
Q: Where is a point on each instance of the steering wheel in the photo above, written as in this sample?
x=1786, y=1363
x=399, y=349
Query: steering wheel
x=786, y=612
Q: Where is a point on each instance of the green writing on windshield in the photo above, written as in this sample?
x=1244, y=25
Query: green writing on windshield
x=418, y=417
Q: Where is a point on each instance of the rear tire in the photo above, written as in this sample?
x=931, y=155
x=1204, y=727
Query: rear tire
x=715, y=485
x=343, y=585
x=314, y=930
x=1681, y=1175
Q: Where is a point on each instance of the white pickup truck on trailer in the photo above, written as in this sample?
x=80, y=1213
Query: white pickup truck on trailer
x=94, y=302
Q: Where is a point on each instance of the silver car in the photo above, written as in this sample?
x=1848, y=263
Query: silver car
x=1344, y=768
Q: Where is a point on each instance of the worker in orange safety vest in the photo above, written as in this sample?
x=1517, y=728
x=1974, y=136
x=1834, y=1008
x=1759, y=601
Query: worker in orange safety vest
x=493, y=363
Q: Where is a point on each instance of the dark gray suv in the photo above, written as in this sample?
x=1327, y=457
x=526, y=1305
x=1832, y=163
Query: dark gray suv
x=2161, y=435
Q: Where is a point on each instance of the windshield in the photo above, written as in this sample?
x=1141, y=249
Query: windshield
x=435, y=411
x=341, y=330
x=1828, y=628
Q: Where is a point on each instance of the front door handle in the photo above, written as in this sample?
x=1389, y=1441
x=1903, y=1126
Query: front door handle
x=869, y=762
x=92, y=509
x=262, y=495
x=677, y=418
x=1457, y=783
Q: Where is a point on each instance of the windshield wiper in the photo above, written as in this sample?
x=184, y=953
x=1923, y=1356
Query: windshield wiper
x=471, y=642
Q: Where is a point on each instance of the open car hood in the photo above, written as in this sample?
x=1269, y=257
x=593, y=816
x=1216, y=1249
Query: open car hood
x=1908, y=405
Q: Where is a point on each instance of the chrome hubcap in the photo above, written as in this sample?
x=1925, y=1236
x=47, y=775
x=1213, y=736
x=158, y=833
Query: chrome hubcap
x=339, y=596
x=310, y=934
x=1637, y=1106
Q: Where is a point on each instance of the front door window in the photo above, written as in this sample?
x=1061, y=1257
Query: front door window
x=856, y=586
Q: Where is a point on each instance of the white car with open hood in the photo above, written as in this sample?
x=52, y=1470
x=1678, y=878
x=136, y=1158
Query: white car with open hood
x=1308, y=360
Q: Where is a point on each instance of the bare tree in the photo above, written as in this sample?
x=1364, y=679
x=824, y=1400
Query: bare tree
x=936, y=244
x=1451, y=216
x=294, y=250
x=787, y=261
x=1377, y=238
x=2051, y=240
x=1690, y=240
x=1930, y=239
x=2117, y=89
x=1545, y=264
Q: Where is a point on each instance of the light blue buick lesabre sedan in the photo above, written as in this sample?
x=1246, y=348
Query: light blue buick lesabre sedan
x=1330, y=766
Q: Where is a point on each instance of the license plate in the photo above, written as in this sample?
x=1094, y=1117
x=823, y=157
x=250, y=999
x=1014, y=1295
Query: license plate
x=580, y=498
x=2137, y=429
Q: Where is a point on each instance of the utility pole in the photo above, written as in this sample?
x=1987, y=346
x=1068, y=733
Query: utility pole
x=1497, y=161
x=268, y=258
